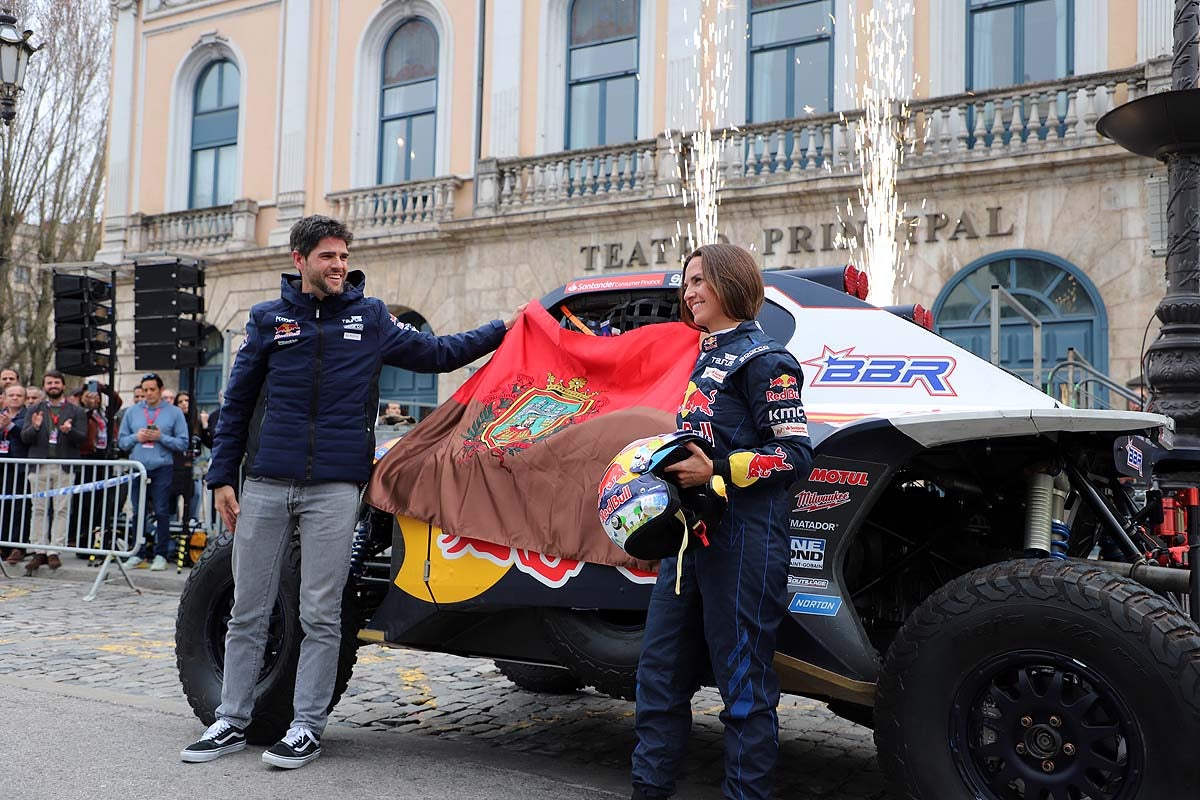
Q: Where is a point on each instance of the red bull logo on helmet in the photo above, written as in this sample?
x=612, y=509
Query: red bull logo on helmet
x=763, y=464
x=612, y=476
x=697, y=402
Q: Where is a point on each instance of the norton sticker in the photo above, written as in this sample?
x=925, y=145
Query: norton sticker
x=816, y=604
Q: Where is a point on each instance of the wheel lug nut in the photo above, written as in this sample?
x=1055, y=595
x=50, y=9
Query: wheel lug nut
x=1026, y=721
x=1056, y=722
x=1020, y=748
x=1047, y=766
x=1069, y=749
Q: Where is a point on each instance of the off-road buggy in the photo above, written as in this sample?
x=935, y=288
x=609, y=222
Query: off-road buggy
x=975, y=570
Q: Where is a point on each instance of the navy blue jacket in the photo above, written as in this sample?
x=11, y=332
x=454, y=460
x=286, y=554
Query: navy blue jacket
x=303, y=394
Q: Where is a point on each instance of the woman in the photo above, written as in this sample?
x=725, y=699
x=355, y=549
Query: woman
x=183, y=480
x=733, y=593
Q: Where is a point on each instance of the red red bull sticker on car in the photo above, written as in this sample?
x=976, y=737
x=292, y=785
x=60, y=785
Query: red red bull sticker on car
x=845, y=368
x=549, y=570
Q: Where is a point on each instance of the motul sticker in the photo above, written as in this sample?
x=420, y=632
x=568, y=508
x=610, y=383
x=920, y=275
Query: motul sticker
x=846, y=368
x=807, y=553
x=809, y=502
x=842, y=476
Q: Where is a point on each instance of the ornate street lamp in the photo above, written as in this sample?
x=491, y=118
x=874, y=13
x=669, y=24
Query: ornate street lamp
x=15, y=51
x=1166, y=126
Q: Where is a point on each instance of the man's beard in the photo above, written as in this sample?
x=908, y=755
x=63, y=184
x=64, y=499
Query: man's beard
x=54, y=394
x=319, y=283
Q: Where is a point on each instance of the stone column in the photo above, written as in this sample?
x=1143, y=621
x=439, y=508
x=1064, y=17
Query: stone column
x=245, y=223
x=487, y=187
x=1174, y=359
x=292, y=143
x=120, y=131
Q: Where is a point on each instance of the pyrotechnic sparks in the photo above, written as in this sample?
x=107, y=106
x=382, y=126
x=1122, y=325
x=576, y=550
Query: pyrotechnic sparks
x=879, y=146
x=698, y=153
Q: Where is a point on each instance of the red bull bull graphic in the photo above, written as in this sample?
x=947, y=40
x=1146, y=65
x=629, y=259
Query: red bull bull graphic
x=697, y=402
x=287, y=330
x=784, y=381
x=845, y=368
x=612, y=476
x=786, y=384
x=763, y=464
x=551, y=571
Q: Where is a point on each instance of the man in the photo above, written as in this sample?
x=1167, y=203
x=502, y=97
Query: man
x=53, y=428
x=93, y=510
x=33, y=396
x=307, y=373
x=393, y=414
x=8, y=377
x=14, y=514
x=168, y=396
x=152, y=432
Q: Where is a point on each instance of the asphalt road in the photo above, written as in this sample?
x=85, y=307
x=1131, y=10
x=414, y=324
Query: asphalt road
x=91, y=707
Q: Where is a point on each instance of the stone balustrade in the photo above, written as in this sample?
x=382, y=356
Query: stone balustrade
x=398, y=208
x=205, y=230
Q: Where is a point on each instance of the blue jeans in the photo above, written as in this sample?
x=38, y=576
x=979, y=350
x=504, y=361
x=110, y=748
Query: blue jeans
x=270, y=511
x=159, y=494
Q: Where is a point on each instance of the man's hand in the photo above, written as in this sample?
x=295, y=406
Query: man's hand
x=227, y=506
x=695, y=470
x=36, y=420
x=508, y=323
x=66, y=425
x=5, y=418
x=148, y=435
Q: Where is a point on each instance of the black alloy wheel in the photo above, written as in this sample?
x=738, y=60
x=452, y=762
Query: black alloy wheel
x=1039, y=725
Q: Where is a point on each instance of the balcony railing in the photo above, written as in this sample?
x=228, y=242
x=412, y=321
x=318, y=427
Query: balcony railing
x=204, y=230
x=399, y=208
x=597, y=174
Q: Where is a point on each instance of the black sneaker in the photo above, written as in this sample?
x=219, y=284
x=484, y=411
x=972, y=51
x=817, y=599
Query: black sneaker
x=298, y=747
x=220, y=739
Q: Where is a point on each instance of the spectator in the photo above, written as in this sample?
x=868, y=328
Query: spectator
x=394, y=415
x=168, y=396
x=153, y=432
x=184, y=480
x=8, y=377
x=33, y=396
x=91, y=509
x=53, y=429
x=14, y=514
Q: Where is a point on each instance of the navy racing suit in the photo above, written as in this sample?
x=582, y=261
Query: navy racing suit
x=744, y=397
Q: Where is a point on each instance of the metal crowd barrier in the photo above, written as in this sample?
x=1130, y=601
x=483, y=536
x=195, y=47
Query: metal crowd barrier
x=79, y=509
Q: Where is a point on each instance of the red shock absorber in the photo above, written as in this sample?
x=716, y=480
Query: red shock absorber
x=1191, y=498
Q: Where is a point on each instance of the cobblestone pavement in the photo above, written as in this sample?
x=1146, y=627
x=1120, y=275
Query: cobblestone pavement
x=125, y=643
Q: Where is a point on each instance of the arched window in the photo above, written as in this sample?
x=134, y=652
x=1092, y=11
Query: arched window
x=1011, y=42
x=602, y=73
x=214, y=136
x=1068, y=305
x=408, y=106
x=791, y=59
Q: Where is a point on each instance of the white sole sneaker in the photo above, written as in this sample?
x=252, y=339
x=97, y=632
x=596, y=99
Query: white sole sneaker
x=285, y=762
x=200, y=756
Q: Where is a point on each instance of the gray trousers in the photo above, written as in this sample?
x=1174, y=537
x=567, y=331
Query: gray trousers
x=270, y=511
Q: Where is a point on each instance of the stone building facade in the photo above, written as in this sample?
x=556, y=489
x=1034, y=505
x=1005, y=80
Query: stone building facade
x=510, y=177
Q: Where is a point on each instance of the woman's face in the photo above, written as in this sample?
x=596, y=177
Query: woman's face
x=701, y=300
x=182, y=401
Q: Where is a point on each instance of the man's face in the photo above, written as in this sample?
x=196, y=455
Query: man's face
x=138, y=395
x=33, y=397
x=14, y=398
x=168, y=396
x=7, y=378
x=151, y=392
x=393, y=410
x=53, y=386
x=323, y=272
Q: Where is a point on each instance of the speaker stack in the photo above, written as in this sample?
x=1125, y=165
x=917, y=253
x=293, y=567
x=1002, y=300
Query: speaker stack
x=168, y=311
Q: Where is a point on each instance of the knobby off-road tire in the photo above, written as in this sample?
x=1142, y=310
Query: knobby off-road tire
x=540, y=679
x=204, y=609
x=1041, y=679
x=602, y=650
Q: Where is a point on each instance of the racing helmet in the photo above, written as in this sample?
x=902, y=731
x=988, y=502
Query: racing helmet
x=643, y=512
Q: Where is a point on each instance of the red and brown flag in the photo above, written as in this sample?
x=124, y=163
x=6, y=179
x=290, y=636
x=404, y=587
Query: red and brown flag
x=515, y=456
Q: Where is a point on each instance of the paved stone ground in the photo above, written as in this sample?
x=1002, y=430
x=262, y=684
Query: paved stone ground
x=125, y=643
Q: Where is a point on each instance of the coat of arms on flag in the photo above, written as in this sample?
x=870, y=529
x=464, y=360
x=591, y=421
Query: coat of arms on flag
x=516, y=416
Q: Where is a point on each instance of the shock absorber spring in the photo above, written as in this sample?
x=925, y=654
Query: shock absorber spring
x=361, y=547
x=1060, y=540
x=1038, y=502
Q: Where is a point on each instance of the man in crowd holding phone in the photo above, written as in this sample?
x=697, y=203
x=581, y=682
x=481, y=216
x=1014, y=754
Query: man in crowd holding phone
x=152, y=432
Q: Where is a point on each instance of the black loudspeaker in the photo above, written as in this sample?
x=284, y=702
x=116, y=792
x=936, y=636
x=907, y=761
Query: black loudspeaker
x=174, y=274
x=166, y=356
x=83, y=319
x=167, y=330
x=167, y=303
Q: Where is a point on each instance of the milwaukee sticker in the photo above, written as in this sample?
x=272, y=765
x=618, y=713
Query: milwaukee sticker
x=807, y=553
x=809, y=502
x=849, y=369
x=842, y=476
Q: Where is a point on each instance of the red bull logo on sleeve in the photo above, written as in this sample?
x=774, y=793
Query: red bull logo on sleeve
x=786, y=384
x=697, y=402
x=287, y=330
x=784, y=381
x=849, y=369
x=763, y=464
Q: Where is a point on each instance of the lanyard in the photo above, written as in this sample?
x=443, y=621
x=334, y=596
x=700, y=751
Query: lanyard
x=146, y=412
x=53, y=416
